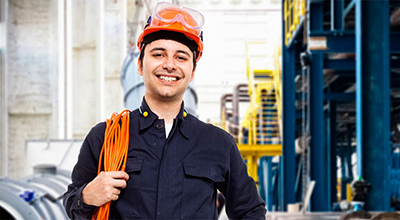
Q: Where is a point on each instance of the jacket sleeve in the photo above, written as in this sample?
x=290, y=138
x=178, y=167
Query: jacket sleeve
x=84, y=171
x=239, y=189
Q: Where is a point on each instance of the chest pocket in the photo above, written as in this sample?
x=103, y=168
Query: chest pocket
x=201, y=171
x=199, y=192
x=133, y=168
x=133, y=165
x=131, y=193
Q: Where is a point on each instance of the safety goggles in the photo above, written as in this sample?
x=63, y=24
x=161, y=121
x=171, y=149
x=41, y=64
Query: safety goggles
x=168, y=14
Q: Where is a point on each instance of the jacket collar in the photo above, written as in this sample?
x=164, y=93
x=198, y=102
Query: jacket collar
x=147, y=117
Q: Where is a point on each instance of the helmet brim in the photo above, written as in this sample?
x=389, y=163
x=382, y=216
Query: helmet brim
x=188, y=34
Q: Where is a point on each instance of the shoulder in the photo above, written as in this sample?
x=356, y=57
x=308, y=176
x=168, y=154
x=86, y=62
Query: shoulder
x=96, y=134
x=195, y=122
x=100, y=127
x=209, y=131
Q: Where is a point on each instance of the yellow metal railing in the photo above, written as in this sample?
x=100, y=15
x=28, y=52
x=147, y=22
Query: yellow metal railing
x=253, y=152
x=260, y=130
x=261, y=122
x=293, y=11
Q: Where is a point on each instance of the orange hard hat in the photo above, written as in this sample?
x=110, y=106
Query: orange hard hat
x=173, y=18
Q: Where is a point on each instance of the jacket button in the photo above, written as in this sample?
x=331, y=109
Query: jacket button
x=160, y=126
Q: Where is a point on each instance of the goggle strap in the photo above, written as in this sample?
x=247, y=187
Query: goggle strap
x=148, y=22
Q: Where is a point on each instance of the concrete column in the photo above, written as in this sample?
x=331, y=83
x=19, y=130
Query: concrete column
x=98, y=49
x=3, y=90
x=31, y=77
x=115, y=47
x=84, y=81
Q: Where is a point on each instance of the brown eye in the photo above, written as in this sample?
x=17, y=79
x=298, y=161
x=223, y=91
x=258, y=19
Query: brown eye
x=182, y=58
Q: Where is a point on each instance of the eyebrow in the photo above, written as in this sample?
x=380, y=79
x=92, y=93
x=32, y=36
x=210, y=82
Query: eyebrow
x=157, y=48
x=163, y=49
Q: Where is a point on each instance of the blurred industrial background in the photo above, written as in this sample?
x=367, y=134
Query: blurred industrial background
x=310, y=89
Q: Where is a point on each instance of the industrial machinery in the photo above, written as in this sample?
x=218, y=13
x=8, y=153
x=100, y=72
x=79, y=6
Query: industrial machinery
x=38, y=196
x=340, y=90
x=336, y=99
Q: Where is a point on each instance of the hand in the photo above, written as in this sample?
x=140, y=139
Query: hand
x=104, y=188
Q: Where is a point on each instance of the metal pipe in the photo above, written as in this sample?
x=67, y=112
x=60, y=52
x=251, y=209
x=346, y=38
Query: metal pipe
x=239, y=91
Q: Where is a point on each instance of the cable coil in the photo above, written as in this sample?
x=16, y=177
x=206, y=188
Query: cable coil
x=114, y=152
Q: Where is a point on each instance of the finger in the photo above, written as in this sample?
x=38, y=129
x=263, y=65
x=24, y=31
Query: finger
x=118, y=175
x=115, y=197
x=116, y=191
x=119, y=183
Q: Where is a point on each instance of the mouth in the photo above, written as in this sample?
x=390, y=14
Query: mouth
x=168, y=78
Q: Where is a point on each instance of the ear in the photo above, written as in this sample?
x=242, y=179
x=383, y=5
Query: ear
x=139, y=67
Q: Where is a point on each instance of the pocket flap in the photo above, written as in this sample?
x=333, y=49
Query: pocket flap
x=134, y=165
x=202, y=171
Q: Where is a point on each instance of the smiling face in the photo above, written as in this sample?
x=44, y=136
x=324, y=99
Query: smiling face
x=167, y=69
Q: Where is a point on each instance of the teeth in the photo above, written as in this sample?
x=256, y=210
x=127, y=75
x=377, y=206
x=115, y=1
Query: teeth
x=168, y=78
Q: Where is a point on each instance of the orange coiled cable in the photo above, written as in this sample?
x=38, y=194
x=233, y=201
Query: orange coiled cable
x=114, y=152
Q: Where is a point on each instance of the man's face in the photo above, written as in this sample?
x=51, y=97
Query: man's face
x=167, y=70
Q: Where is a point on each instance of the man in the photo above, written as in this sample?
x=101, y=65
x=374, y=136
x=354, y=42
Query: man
x=176, y=163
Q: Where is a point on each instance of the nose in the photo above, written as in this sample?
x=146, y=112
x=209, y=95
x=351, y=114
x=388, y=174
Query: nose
x=169, y=64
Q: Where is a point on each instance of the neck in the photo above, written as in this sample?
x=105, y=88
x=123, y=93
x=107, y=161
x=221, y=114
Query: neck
x=164, y=110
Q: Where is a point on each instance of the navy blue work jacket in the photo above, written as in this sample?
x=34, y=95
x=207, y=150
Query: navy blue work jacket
x=170, y=178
